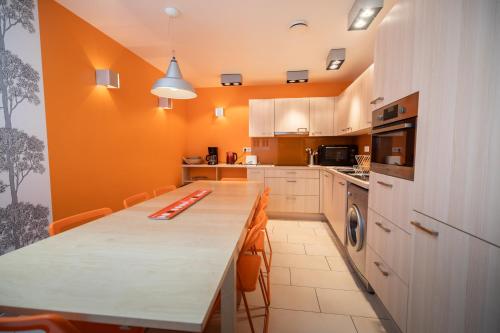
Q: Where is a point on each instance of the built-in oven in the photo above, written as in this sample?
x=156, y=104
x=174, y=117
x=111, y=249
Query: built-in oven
x=393, y=138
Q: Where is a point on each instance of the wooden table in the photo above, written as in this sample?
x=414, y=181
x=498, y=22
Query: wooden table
x=127, y=269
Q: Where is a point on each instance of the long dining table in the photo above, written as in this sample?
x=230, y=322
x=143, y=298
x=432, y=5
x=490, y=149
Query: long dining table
x=128, y=269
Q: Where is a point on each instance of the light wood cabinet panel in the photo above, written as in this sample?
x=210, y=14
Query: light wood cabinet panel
x=366, y=94
x=327, y=195
x=255, y=174
x=293, y=186
x=391, y=243
x=389, y=287
x=294, y=203
x=261, y=117
x=321, y=111
x=287, y=173
x=393, y=54
x=340, y=114
x=291, y=115
x=457, y=73
x=339, y=208
x=455, y=282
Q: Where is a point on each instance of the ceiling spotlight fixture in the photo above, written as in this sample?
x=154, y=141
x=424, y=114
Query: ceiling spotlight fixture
x=335, y=59
x=231, y=79
x=172, y=85
x=298, y=25
x=297, y=76
x=362, y=13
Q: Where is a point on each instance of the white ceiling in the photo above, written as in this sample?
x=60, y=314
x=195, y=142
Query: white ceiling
x=211, y=37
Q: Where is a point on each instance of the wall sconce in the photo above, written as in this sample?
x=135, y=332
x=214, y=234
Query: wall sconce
x=219, y=112
x=107, y=78
x=165, y=103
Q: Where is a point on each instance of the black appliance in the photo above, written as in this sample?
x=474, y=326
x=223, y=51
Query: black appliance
x=213, y=155
x=393, y=138
x=337, y=155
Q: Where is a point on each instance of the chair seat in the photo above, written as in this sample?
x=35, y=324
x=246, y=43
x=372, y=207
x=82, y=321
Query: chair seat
x=248, y=272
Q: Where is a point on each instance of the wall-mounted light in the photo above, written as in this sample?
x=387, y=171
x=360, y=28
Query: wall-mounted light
x=165, y=103
x=297, y=76
x=219, y=111
x=107, y=78
x=362, y=14
x=231, y=79
x=335, y=59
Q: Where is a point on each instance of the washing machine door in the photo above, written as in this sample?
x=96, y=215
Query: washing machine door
x=355, y=228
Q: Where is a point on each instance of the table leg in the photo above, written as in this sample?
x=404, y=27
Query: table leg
x=228, y=300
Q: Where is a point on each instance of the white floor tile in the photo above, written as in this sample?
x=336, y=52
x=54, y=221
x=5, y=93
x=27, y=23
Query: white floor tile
x=294, y=231
x=309, y=239
x=280, y=275
x=290, y=248
x=325, y=230
x=300, y=261
x=350, y=302
x=325, y=279
x=311, y=224
x=278, y=237
x=371, y=325
x=338, y=264
x=294, y=298
x=322, y=249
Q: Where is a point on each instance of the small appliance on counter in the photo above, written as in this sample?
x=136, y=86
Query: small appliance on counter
x=251, y=159
x=337, y=155
x=213, y=156
x=193, y=160
x=231, y=157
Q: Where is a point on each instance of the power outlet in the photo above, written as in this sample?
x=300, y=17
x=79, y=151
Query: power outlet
x=247, y=149
x=367, y=149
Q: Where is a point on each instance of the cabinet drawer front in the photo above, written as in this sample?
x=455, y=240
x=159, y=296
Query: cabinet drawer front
x=293, y=186
x=391, y=197
x=391, y=243
x=255, y=174
x=294, y=203
x=289, y=173
x=389, y=287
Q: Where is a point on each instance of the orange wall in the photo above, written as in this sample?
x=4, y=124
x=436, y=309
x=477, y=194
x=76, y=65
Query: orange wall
x=230, y=133
x=103, y=144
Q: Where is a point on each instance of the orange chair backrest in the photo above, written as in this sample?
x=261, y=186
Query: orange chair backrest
x=50, y=323
x=251, y=238
x=163, y=189
x=135, y=199
x=77, y=220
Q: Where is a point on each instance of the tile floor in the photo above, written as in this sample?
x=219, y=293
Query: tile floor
x=313, y=288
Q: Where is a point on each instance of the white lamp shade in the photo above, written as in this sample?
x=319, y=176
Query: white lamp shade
x=172, y=85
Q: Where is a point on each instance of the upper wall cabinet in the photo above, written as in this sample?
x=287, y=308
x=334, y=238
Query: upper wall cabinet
x=456, y=70
x=393, y=56
x=291, y=115
x=321, y=116
x=261, y=117
x=352, y=110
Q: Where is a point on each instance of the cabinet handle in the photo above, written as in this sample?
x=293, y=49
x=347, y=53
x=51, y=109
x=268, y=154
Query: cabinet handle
x=424, y=229
x=291, y=181
x=376, y=100
x=384, y=184
x=291, y=198
x=341, y=183
x=384, y=273
x=382, y=227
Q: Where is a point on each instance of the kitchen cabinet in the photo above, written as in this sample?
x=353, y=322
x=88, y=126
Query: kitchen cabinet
x=261, y=117
x=255, y=174
x=455, y=282
x=339, y=209
x=291, y=115
x=327, y=196
x=457, y=149
x=321, y=111
x=394, y=54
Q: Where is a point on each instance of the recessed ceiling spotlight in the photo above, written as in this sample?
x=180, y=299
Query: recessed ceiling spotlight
x=298, y=25
x=297, y=76
x=231, y=79
x=362, y=13
x=335, y=59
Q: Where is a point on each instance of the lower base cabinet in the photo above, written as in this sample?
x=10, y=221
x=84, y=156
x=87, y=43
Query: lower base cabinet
x=455, y=281
x=339, y=207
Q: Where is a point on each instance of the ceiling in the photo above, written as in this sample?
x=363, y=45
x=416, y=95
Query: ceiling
x=228, y=36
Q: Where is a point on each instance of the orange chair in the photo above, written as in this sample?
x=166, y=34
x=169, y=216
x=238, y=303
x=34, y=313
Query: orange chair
x=74, y=221
x=162, y=190
x=135, y=199
x=50, y=323
x=249, y=273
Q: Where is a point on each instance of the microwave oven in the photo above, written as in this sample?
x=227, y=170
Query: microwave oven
x=337, y=155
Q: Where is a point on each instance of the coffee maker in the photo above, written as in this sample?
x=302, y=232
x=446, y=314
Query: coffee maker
x=213, y=156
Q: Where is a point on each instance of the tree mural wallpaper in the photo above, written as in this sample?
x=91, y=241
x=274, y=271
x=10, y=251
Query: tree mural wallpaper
x=22, y=155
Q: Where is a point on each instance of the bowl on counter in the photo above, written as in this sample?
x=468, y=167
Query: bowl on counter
x=193, y=160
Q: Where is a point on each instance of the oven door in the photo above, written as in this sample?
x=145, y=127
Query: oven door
x=393, y=149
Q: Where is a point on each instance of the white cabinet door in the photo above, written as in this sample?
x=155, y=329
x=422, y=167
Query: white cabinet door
x=394, y=54
x=291, y=115
x=340, y=118
x=457, y=176
x=327, y=195
x=366, y=93
x=321, y=111
x=455, y=282
x=261, y=117
x=339, y=206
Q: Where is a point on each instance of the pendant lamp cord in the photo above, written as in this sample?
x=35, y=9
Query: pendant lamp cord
x=170, y=37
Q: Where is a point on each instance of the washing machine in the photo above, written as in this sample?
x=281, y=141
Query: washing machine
x=356, y=229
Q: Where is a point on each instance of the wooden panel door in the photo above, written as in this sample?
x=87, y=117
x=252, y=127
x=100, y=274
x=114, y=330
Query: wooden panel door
x=321, y=111
x=366, y=93
x=455, y=282
x=291, y=115
x=458, y=156
x=261, y=117
x=339, y=207
x=327, y=196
